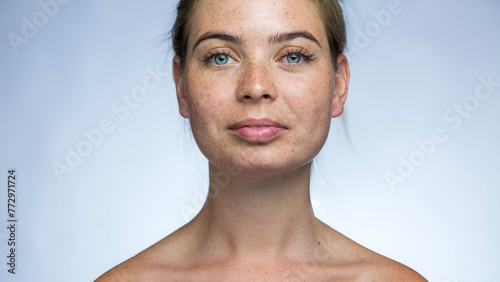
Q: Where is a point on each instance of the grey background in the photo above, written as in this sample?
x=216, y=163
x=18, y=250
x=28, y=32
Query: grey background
x=146, y=178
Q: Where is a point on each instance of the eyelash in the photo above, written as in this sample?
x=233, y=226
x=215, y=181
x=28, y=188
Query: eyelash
x=301, y=52
x=214, y=53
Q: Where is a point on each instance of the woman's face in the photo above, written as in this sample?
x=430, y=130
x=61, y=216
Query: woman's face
x=258, y=84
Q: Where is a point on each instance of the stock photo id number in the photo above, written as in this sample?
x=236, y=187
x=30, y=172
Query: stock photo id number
x=11, y=221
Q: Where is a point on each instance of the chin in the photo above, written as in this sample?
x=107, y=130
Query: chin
x=262, y=160
x=259, y=166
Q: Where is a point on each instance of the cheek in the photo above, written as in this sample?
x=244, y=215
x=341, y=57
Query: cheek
x=206, y=101
x=211, y=92
x=313, y=108
x=323, y=98
x=311, y=98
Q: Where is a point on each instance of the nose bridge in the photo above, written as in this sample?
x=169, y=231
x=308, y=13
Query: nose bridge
x=256, y=71
x=257, y=81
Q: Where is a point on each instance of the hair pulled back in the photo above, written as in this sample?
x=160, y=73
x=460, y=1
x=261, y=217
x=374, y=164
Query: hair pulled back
x=329, y=10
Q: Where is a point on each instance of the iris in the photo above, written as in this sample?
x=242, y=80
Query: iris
x=221, y=59
x=293, y=58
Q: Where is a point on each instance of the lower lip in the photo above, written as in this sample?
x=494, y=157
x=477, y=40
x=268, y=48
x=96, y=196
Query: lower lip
x=262, y=134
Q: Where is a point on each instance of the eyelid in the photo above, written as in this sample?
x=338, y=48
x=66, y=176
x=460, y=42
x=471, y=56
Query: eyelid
x=214, y=52
x=307, y=56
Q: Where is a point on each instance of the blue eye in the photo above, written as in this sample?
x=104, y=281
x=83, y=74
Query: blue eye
x=293, y=58
x=221, y=59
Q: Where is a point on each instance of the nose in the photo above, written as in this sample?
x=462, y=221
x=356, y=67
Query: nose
x=257, y=83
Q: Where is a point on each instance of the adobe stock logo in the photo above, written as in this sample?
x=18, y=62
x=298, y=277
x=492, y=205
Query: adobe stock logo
x=31, y=27
x=121, y=107
x=454, y=116
x=373, y=28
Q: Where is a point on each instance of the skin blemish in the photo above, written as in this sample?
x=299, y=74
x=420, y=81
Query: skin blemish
x=259, y=82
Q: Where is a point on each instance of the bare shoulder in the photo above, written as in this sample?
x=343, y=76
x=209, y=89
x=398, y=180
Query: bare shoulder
x=156, y=263
x=133, y=269
x=385, y=269
x=121, y=272
x=362, y=264
x=366, y=265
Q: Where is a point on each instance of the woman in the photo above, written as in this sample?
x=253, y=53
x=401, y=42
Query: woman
x=259, y=81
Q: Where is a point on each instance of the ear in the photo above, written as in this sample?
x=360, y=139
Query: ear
x=179, y=86
x=342, y=77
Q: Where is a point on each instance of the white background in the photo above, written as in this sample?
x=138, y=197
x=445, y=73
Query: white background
x=146, y=178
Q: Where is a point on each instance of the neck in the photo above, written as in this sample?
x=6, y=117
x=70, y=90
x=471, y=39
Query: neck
x=251, y=218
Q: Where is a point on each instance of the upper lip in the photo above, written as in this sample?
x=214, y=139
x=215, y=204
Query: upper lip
x=256, y=122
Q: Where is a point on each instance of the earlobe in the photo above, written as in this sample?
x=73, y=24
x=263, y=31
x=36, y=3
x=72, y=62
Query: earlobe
x=342, y=77
x=179, y=86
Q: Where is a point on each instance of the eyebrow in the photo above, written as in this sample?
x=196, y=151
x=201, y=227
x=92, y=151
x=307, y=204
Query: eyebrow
x=280, y=38
x=222, y=36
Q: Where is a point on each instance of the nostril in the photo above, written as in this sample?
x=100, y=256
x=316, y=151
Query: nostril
x=266, y=96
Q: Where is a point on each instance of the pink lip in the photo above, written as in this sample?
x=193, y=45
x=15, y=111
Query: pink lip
x=267, y=131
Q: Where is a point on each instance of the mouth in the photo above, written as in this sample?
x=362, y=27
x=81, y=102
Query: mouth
x=257, y=130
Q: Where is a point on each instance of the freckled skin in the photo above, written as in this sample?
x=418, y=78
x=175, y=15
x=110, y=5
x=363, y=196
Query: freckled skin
x=217, y=98
x=258, y=225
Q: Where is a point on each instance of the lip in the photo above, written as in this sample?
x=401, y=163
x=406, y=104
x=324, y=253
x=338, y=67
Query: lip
x=257, y=130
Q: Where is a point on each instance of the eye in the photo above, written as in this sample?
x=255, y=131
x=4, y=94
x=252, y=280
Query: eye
x=297, y=56
x=217, y=58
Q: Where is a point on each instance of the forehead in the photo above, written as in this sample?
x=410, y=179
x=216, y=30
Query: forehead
x=256, y=19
